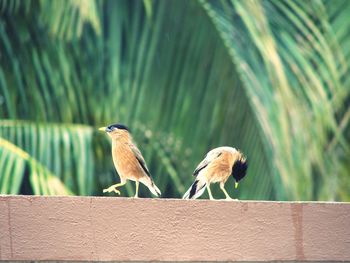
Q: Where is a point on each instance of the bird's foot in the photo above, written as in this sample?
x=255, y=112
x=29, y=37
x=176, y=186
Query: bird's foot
x=111, y=189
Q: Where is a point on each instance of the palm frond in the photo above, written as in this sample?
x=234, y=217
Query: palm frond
x=65, y=150
x=64, y=21
x=16, y=164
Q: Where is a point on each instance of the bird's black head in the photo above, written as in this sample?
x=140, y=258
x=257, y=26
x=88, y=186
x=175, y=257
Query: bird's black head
x=113, y=127
x=239, y=169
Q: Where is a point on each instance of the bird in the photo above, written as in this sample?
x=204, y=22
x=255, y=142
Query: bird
x=128, y=160
x=216, y=167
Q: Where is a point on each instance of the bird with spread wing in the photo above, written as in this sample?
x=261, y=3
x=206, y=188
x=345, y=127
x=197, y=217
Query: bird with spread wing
x=217, y=167
x=128, y=161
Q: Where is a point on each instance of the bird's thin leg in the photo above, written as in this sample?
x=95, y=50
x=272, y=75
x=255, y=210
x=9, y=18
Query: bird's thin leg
x=113, y=188
x=209, y=192
x=137, y=189
x=222, y=187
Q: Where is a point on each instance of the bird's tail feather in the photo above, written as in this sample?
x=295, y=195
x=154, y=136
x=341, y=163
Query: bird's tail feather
x=151, y=186
x=155, y=190
x=196, y=189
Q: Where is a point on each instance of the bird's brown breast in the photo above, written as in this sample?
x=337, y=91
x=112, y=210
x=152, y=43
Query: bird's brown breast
x=125, y=162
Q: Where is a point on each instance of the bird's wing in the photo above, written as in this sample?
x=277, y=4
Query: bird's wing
x=139, y=158
x=212, y=155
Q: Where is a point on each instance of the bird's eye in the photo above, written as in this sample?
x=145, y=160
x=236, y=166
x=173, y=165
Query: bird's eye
x=109, y=129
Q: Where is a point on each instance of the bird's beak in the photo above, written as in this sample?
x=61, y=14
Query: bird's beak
x=236, y=185
x=102, y=129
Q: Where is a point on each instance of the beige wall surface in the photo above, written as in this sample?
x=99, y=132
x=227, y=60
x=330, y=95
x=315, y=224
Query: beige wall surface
x=108, y=229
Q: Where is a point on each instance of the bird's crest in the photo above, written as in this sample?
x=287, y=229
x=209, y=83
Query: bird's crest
x=118, y=126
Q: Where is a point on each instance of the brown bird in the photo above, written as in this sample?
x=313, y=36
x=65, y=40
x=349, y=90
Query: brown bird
x=217, y=167
x=128, y=160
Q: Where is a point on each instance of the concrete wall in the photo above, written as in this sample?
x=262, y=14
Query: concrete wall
x=95, y=228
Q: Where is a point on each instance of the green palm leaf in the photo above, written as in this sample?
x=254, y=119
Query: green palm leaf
x=65, y=150
x=16, y=163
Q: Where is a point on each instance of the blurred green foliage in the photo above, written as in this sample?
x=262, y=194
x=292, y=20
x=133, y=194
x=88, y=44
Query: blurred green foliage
x=268, y=77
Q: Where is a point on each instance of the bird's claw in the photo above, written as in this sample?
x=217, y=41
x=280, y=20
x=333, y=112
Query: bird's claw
x=110, y=189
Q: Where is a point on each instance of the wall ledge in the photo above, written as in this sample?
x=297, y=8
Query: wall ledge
x=122, y=229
